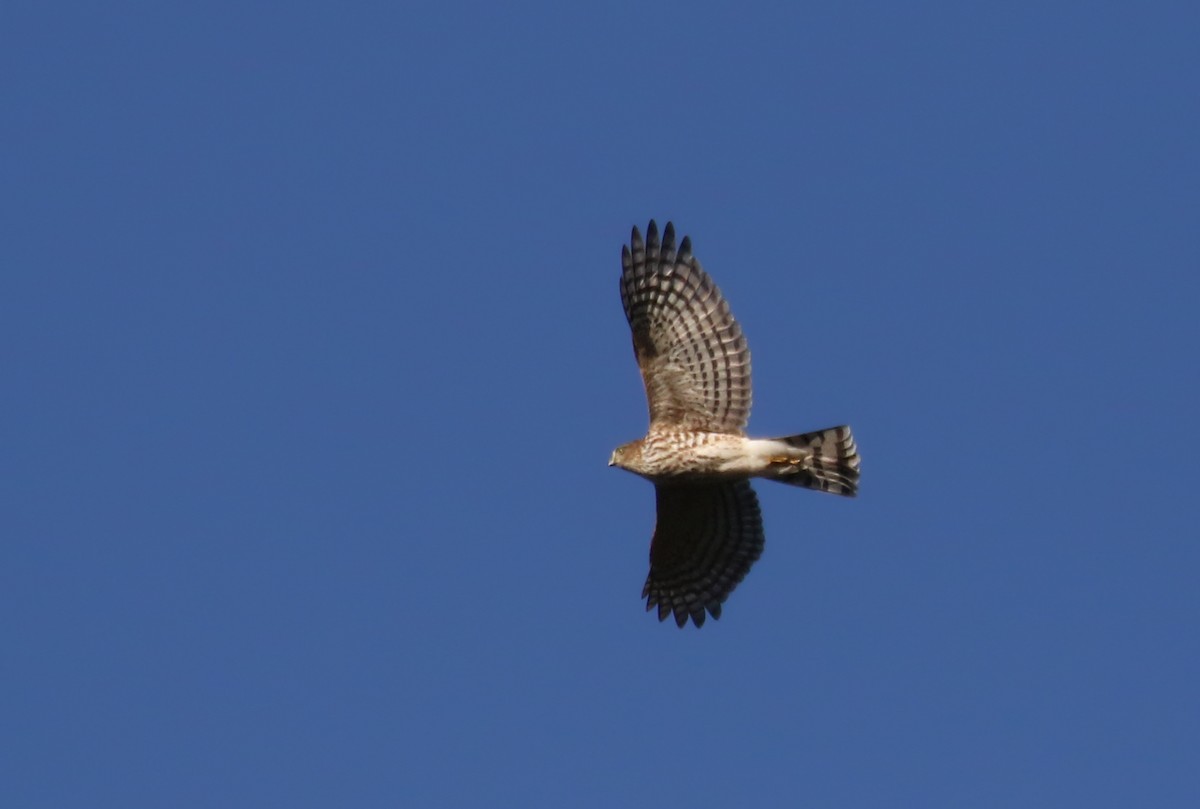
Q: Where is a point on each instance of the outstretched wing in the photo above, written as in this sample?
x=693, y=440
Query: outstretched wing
x=694, y=359
x=706, y=538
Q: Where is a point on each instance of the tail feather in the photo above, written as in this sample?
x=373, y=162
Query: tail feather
x=829, y=462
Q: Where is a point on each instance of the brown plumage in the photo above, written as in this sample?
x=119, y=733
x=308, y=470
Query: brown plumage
x=695, y=365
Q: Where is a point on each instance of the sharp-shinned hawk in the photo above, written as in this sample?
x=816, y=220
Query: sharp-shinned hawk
x=696, y=368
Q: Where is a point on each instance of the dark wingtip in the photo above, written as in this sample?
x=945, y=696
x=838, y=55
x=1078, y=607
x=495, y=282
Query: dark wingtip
x=685, y=246
x=681, y=614
x=651, y=237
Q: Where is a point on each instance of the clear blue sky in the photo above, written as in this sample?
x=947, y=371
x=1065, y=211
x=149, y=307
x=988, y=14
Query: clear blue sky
x=313, y=357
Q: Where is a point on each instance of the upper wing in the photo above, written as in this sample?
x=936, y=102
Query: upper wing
x=706, y=538
x=694, y=359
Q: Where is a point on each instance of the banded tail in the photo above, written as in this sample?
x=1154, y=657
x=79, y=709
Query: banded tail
x=829, y=462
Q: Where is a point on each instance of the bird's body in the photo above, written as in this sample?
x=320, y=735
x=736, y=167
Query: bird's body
x=662, y=457
x=711, y=456
x=696, y=368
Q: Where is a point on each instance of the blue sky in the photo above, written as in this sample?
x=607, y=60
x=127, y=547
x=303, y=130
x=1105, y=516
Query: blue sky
x=313, y=358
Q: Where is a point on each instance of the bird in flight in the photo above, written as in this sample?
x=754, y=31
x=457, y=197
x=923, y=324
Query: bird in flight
x=695, y=365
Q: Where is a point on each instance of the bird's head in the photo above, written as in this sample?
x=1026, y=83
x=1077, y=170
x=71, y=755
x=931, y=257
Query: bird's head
x=626, y=456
